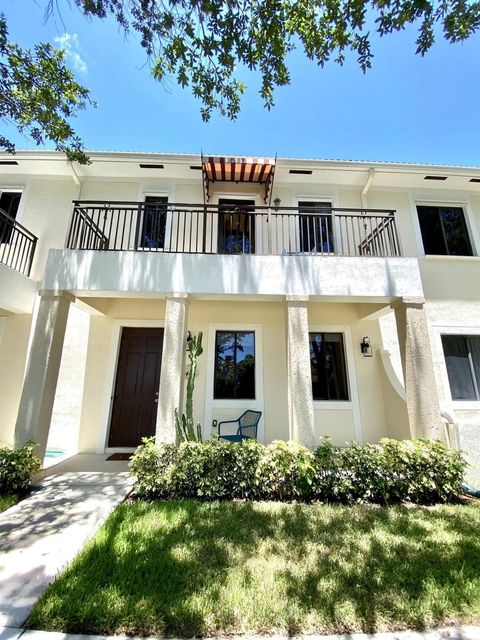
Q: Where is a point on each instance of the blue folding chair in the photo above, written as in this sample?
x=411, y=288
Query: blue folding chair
x=247, y=427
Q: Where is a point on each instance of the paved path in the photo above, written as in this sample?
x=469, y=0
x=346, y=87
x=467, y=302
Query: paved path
x=44, y=532
x=453, y=633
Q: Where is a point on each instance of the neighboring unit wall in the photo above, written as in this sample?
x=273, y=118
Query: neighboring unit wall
x=13, y=356
x=450, y=278
x=459, y=318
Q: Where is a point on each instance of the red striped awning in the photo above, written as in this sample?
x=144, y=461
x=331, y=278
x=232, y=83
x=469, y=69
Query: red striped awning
x=226, y=169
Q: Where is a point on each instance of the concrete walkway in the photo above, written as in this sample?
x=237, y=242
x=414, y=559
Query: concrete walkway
x=44, y=532
x=453, y=633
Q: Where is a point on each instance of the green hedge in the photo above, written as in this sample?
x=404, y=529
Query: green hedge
x=17, y=467
x=419, y=471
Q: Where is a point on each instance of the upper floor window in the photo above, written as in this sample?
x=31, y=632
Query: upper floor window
x=444, y=231
x=328, y=366
x=462, y=357
x=315, y=227
x=9, y=202
x=234, y=365
x=153, y=223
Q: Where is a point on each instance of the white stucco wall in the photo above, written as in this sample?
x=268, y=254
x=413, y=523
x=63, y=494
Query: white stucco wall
x=365, y=412
x=97, y=273
x=14, y=336
x=17, y=292
x=46, y=212
x=65, y=424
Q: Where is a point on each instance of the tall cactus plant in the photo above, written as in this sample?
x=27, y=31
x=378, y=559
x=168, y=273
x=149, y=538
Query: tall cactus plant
x=184, y=422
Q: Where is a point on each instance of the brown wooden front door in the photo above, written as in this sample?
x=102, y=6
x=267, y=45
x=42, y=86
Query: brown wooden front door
x=136, y=388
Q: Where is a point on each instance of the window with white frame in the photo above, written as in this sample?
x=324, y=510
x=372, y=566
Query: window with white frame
x=444, y=231
x=328, y=366
x=462, y=358
x=234, y=376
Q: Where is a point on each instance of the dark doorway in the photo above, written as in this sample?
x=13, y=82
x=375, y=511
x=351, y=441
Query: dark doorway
x=236, y=226
x=152, y=221
x=135, y=399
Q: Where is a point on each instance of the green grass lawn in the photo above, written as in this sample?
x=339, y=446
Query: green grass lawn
x=8, y=501
x=189, y=568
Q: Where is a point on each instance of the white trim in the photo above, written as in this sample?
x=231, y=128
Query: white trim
x=332, y=197
x=438, y=331
x=218, y=195
x=111, y=373
x=168, y=191
x=353, y=404
x=210, y=403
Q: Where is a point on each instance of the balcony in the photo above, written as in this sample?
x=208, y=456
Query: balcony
x=232, y=230
x=17, y=244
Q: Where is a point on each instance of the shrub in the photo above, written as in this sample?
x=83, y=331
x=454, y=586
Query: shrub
x=286, y=471
x=151, y=466
x=419, y=471
x=17, y=467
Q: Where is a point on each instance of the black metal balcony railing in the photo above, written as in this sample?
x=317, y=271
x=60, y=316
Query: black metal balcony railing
x=17, y=244
x=220, y=229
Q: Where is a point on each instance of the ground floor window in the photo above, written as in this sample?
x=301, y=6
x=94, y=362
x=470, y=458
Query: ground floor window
x=328, y=366
x=462, y=357
x=234, y=365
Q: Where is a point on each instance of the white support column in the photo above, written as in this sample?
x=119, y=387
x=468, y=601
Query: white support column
x=300, y=398
x=172, y=377
x=420, y=387
x=40, y=383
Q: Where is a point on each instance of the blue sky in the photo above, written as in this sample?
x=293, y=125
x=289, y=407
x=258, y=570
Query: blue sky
x=406, y=108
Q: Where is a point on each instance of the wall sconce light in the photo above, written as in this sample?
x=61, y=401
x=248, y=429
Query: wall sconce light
x=366, y=347
x=277, y=202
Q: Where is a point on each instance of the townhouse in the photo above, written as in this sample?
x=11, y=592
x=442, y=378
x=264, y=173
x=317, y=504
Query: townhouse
x=338, y=298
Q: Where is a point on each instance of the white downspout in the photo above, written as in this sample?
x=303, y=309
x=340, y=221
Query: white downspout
x=366, y=188
x=73, y=173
